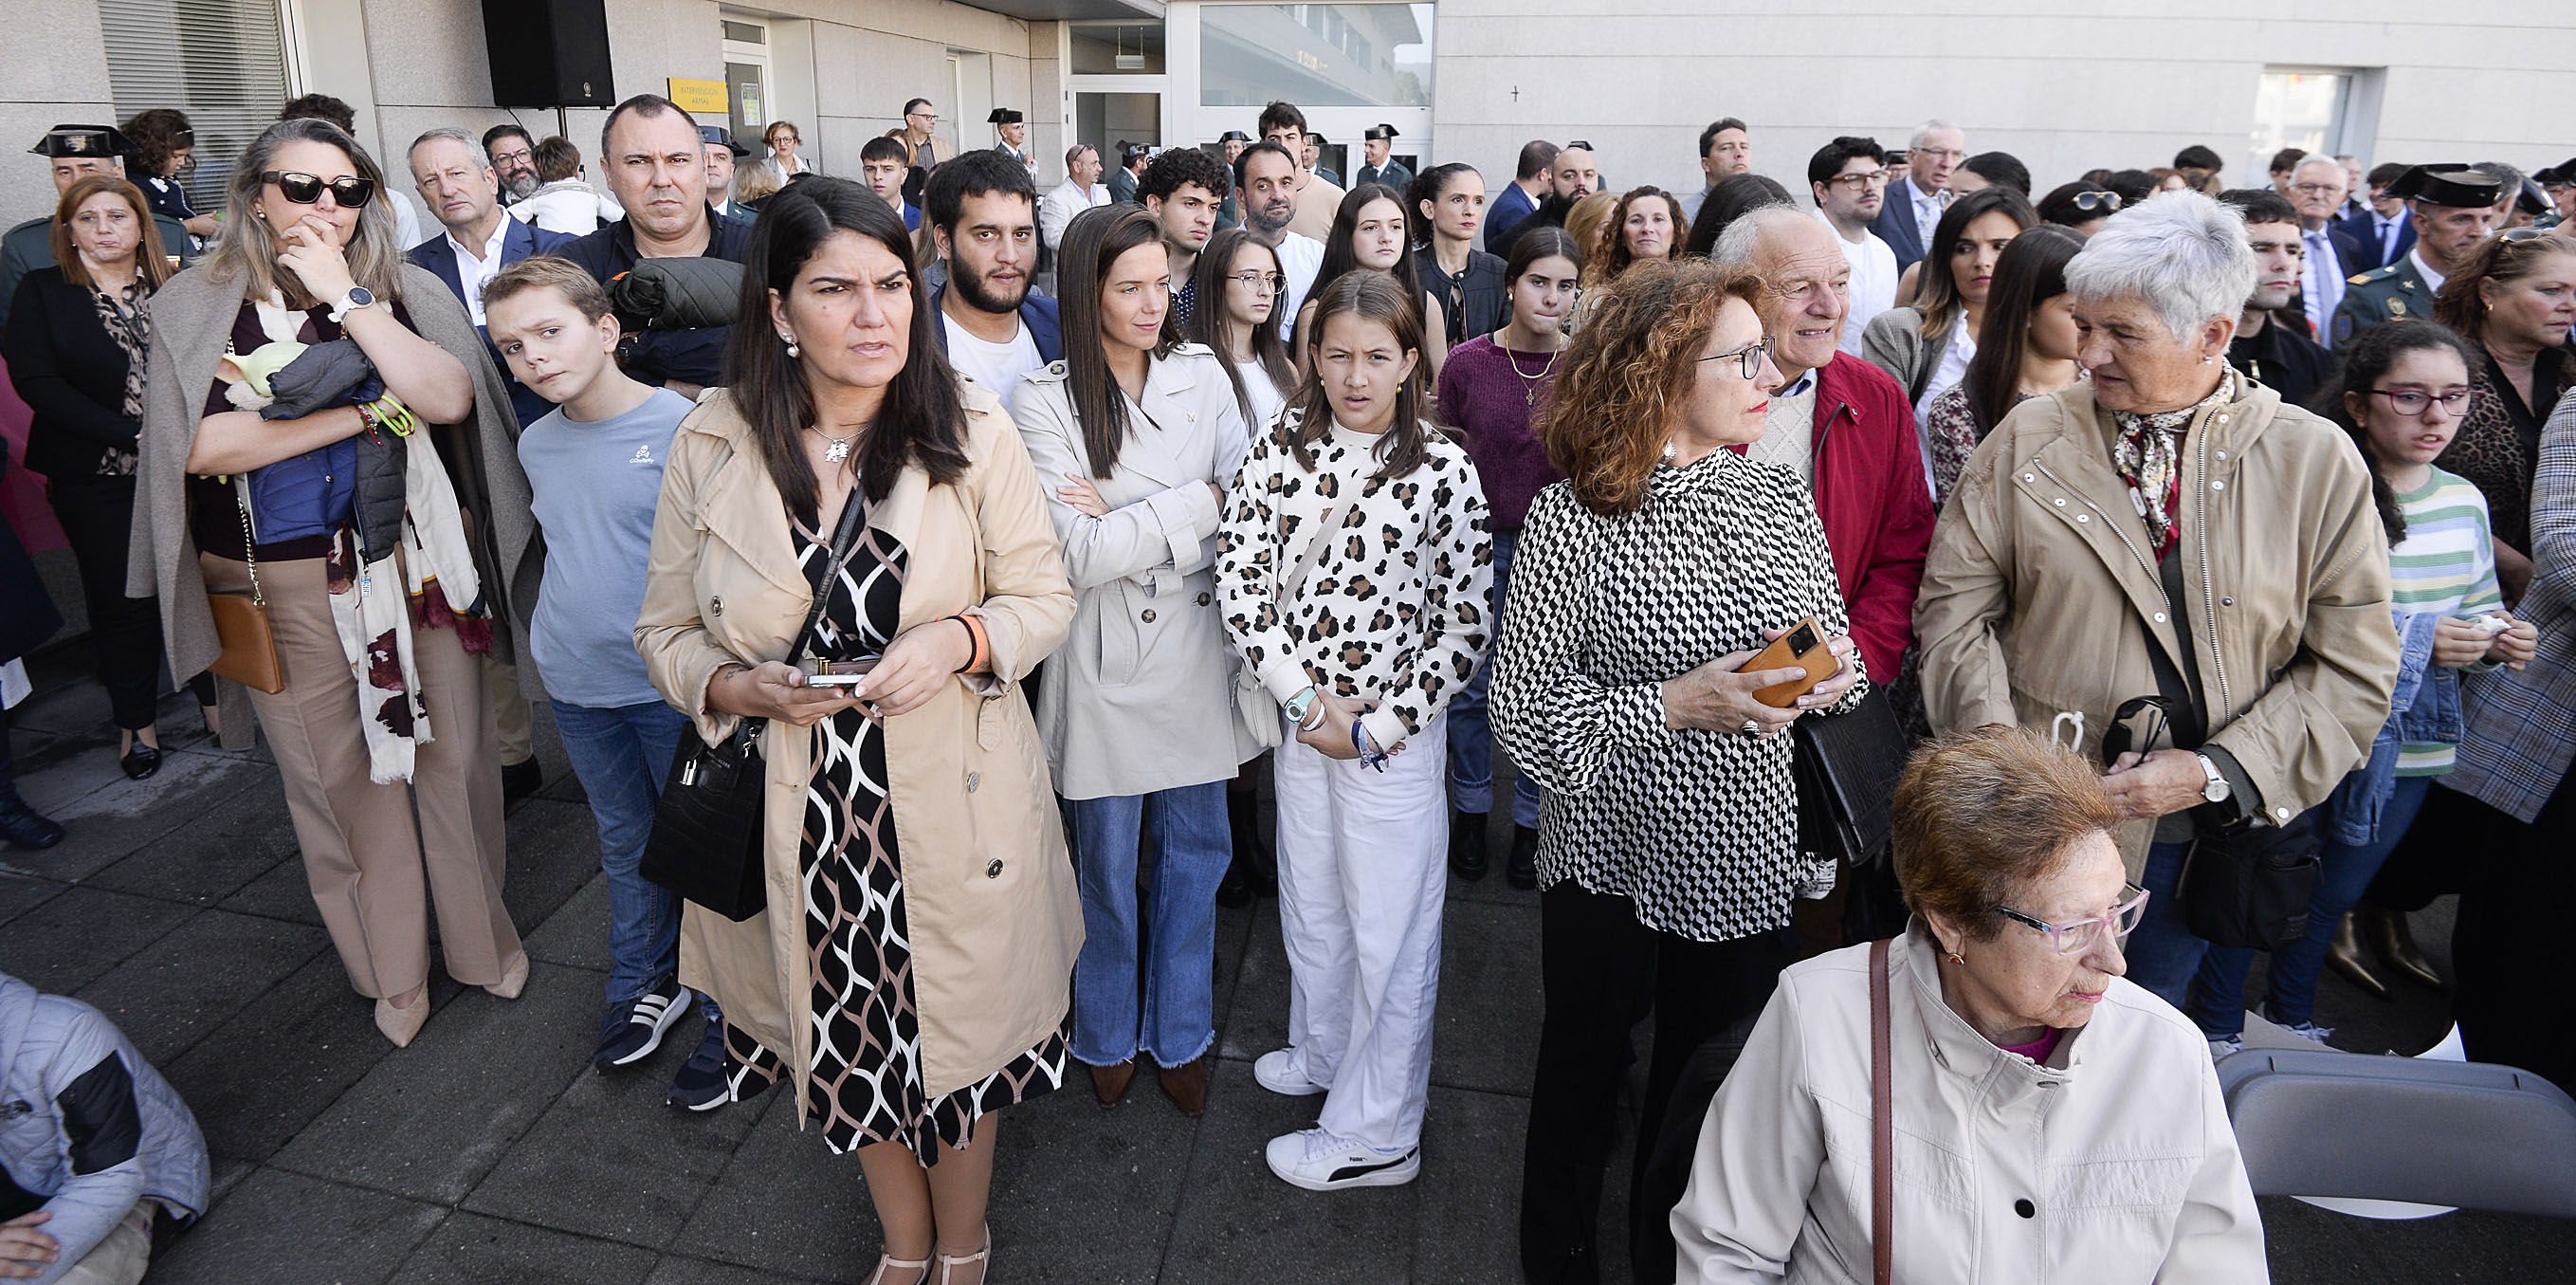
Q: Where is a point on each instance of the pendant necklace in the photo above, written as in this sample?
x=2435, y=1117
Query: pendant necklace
x=839, y=449
x=1530, y=383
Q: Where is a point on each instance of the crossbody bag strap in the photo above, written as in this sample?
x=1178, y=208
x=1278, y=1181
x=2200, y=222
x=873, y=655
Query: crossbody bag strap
x=250, y=540
x=845, y=544
x=1296, y=577
x=1882, y=1126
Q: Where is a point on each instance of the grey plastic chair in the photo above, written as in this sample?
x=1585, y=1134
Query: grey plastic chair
x=2315, y=1122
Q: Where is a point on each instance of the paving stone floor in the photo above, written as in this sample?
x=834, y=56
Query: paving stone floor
x=489, y=1153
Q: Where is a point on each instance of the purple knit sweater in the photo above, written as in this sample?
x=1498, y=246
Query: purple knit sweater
x=1489, y=405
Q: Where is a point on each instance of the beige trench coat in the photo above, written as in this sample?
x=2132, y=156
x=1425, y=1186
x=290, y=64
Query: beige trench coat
x=988, y=889
x=2041, y=590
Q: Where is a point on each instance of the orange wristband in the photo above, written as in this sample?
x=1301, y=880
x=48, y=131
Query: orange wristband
x=980, y=657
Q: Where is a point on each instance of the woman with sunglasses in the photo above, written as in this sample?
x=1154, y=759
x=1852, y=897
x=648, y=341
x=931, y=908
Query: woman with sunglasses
x=1642, y=586
x=2079, y=205
x=359, y=521
x=2008, y=977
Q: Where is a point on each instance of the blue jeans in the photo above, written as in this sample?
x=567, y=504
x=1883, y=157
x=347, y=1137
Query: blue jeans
x=2218, y=992
x=2162, y=953
x=621, y=755
x=1471, y=732
x=1173, y=1020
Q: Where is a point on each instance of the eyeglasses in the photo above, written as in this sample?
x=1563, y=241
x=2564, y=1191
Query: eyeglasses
x=928, y=116
x=2083, y=934
x=2413, y=401
x=2317, y=189
x=1939, y=153
x=304, y=189
x=1272, y=282
x=1748, y=359
x=2526, y=234
x=2106, y=202
x=1860, y=182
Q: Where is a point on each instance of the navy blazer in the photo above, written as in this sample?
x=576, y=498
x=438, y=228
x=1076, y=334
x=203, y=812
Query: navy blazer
x=2363, y=228
x=1895, y=225
x=518, y=241
x=1037, y=312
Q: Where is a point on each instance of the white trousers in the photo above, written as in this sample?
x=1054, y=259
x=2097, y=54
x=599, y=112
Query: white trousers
x=1362, y=869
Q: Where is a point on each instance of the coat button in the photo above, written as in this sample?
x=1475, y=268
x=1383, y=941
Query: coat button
x=1148, y=617
x=974, y=781
x=2160, y=617
x=1204, y=599
x=2025, y=1209
x=2059, y=501
x=2222, y=454
x=994, y=871
x=2219, y=485
x=715, y=606
x=2083, y=517
x=2227, y=602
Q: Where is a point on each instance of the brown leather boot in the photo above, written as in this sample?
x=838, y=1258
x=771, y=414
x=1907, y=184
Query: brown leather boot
x=2389, y=935
x=2344, y=956
x=1186, y=1086
x=1109, y=1083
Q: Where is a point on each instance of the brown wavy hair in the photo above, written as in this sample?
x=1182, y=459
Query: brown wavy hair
x=1610, y=255
x=1613, y=404
x=2502, y=259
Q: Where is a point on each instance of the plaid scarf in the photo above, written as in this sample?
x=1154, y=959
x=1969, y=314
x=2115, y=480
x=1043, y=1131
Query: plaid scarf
x=2148, y=455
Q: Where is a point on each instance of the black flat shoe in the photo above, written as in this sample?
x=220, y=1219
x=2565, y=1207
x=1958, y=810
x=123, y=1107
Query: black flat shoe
x=1522, y=869
x=141, y=761
x=1469, y=856
x=519, y=780
x=24, y=827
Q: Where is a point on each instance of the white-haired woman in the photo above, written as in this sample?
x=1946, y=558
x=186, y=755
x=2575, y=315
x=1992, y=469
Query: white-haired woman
x=2170, y=530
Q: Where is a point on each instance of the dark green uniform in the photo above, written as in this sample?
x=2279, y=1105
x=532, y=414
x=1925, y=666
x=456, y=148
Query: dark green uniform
x=1393, y=174
x=30, y=246
x=2392, y=293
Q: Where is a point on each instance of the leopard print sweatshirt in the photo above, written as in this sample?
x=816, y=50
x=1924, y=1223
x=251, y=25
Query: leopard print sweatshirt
x=1394, y=609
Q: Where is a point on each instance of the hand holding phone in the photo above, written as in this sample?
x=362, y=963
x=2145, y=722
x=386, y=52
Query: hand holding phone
x=1804, y=647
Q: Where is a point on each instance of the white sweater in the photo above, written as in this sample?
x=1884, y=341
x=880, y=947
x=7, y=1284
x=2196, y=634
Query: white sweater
x=1395, y=608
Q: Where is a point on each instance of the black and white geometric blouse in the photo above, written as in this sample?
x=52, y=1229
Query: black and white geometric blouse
x=1697, y=828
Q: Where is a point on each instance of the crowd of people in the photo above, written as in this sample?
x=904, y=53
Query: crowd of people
x=975, y=554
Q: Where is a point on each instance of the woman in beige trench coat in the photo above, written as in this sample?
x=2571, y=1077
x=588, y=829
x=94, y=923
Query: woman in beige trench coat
x=912, y=963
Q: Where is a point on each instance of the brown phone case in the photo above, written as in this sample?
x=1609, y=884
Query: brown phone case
x=1817, y=659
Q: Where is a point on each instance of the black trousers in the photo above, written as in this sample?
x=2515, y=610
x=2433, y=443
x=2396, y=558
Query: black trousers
x=97, y=515
x=2508, y=957
x=1601, y=972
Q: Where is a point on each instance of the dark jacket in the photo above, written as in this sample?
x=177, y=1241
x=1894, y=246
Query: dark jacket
x=71, y=374
x=690, y=356
x=519, y=242
x=1037, y=312
x=1895, y=224
x=2283, y=358
x=2363, y=228
x=1486, y=297
x=27, y=614
x=1503, y=218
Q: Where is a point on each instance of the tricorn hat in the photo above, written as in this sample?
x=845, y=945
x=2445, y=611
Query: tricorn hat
x=1005, y=116
x=719, y=134
x=84, y=140
x=1379, y=132
x=1234, y=136
x=2456, y=186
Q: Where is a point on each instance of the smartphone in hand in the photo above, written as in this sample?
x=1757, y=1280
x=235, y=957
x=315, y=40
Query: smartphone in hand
x=1803, y=647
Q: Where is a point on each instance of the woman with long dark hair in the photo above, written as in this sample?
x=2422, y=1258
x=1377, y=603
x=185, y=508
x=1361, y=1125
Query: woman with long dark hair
x=1243, y=274
x=1645, y=224
x=1370, y=232
x=926, y=858
x=2025, y=348
x=1135, y=436
x=1926, y=343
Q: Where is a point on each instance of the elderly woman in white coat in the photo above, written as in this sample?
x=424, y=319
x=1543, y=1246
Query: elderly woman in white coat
x=2051, y=1120
x=1137, y=437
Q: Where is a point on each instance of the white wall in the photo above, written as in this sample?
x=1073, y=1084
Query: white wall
x=2126, y=83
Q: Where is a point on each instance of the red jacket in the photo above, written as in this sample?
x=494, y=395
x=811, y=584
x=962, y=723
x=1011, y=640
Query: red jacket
x=1876, y=506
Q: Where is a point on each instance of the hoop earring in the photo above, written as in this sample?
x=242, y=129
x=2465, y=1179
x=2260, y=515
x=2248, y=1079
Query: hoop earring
x=790, y=341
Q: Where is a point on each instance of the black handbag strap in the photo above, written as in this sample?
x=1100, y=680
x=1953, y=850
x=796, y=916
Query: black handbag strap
x=845, y=543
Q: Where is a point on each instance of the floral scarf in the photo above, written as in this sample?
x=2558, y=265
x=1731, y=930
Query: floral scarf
x=2148, y=455
x=122, y=315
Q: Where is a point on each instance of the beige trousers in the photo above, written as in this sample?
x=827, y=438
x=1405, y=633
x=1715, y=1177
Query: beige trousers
x=363, y=853
x=119, y=1258
x=509, y=711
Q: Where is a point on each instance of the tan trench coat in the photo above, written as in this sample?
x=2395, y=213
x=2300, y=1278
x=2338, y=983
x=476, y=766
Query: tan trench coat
x=2041, y=590
x=988, y=889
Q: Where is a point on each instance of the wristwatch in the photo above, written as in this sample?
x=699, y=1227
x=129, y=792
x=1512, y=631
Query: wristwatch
x=358, y=297
x=1300, y=705
x=2217, y=789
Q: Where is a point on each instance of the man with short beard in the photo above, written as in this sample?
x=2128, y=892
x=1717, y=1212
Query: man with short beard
x=2452, y=208
x=983, y=223
x=513, y=156
x=1318, y=197
x=2272, y=345
x=657, y=167
x=1266, y=174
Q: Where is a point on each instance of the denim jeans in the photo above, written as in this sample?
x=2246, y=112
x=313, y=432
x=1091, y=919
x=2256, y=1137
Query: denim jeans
x=621, y=755
x=2218, y=992
x=1471, y=731
x=2162, y=953
x=1156, y=995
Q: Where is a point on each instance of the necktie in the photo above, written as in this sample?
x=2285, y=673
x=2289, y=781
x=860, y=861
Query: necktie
x=2324, y=282
x=2387, y=241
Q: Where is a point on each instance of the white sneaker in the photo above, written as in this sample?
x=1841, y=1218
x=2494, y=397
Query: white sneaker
x=1320, y=1161
x=2224, y=1045
x=1278, y=1071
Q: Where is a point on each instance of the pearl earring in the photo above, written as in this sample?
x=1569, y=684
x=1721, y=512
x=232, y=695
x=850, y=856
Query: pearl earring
x=790, y=341
x=1670, y=451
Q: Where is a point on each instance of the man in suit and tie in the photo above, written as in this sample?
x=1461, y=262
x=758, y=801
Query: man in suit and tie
x=2382, y=229
x=1915, y=202
x=477, y=237
x=2453, y=209
x=2316, y=191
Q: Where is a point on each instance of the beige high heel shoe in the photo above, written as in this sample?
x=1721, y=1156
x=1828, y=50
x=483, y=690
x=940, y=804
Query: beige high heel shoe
x=984, y=1256
x=401, y=1024
x=888, y=1262
x=514, y=979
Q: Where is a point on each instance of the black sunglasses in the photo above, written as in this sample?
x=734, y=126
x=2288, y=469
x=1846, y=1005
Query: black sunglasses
x=2107, y=202
x=304, y=189
x=2121, y=736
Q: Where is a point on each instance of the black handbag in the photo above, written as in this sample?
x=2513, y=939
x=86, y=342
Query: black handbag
x=708, y=837
x=2248, y=886
x=1846, y=766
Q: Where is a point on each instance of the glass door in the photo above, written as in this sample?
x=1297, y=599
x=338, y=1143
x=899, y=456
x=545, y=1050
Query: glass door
x=1124, y=113
x=746, y=55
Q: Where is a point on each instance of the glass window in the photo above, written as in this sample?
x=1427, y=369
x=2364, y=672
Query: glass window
x=223, y=62
x=2298, y=108
x=1315, y=55
x=1117, y=48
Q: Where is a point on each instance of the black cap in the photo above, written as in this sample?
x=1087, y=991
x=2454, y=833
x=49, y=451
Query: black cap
x=718, y=134
x=1234, y=136
x=1379, y=132
x=2562, y=172
x=2458, y=187
x=2533, y=201
x=84, y=140
x=1005, y=116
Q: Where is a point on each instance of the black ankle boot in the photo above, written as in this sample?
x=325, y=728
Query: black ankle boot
x=1469, y=854
x=1522, y=870
x=1243, y=879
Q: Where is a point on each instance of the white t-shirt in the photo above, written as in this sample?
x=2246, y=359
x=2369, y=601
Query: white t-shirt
x=1300, y=257
x=997, y=367
x=1873, y=281
x=1265, y=396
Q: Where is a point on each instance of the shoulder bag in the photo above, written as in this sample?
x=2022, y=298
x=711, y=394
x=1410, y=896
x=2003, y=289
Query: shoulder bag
x=1252, y=702
x=708, y=843
x=1882, y=1126
x=248, y=654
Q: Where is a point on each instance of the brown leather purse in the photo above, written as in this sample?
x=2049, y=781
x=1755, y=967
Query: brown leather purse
x=249, y=646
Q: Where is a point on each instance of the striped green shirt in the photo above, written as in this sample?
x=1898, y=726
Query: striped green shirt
x=2445, y=567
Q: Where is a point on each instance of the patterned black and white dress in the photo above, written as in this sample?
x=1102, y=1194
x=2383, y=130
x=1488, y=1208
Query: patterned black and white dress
x=865, y=1084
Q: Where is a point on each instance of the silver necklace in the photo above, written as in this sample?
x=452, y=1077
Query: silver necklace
x=839, y=449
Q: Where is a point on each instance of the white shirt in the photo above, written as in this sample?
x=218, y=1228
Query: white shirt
x=476, y=268
x=1267, y=401
x=1061, y=204
x=994, y=366
x=1300, y=258
x=2432, y=279
x=1873, y=281
x=406, y=217
x=1955, y=357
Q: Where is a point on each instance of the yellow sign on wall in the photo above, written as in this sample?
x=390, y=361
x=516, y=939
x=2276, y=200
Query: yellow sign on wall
x=695, y=96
